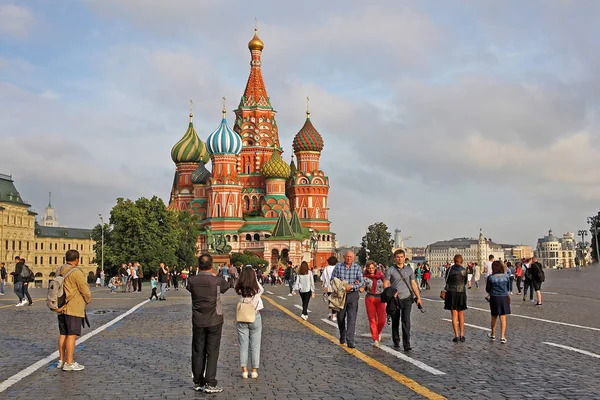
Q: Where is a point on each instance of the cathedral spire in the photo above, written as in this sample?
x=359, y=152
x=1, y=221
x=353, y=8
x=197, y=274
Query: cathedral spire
x=49, y=199
x=255, y=94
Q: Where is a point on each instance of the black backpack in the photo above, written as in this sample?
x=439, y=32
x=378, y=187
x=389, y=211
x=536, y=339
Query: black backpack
x=27, y=274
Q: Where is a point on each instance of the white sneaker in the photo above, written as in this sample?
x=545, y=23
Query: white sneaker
x=289, y=295
x=380, y=338
x=334, y=319
x=244, y=374
x=60, y=364
x=254, y=374
x=19, y=304
x=73, y=367
x=376, y=343
x=304, y=317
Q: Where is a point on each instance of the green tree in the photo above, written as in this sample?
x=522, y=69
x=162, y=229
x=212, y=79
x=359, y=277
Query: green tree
x=187, y=230
x=247, y=258
x=594, y=222
x=377, y=245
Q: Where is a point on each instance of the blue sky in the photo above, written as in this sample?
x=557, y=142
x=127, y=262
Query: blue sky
x=439, y=118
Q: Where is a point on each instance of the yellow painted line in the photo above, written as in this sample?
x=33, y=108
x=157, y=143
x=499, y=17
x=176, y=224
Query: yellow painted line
x=404, y=380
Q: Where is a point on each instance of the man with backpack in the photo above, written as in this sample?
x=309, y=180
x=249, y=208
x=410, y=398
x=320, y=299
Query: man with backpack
x=28, y=277
x=71, y=315
x=21, y=277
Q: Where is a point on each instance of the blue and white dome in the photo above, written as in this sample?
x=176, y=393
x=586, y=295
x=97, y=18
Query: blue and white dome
x=224, y=140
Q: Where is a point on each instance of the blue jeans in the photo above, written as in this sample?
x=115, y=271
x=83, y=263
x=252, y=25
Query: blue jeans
x=18, y=288
x=2, y=286
x=124, y=280
x=163, y=287
x=249, y=337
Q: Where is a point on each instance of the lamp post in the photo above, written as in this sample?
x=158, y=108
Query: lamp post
x=583, y=234
x=593, y=221
x=102, y=227
x=314, y=243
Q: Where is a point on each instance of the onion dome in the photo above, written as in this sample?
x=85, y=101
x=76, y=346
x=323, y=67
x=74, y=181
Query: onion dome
x=256, y=43
x=200, y=174
x=308, y=139
x=223, y=140
x=276, y=167
x=190, y=148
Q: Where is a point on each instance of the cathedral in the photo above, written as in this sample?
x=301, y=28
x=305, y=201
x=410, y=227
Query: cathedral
x=251, y=199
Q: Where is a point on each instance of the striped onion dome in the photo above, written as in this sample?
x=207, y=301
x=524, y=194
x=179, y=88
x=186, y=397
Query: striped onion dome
x=190, y=148
x=200, y=174
x=308, y=139
x=223, y=140
x=276, y=167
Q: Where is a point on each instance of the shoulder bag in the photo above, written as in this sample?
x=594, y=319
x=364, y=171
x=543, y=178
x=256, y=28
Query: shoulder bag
x=443, y=292
x=245, y=311
x=412, y=294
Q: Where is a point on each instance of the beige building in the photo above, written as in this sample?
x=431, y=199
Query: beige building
x=472, y=250
x=42, y=247
x=554, y=252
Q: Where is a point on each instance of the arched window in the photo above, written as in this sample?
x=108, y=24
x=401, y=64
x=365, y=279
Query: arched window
x=228, y=237
x=304, y=213
x=217, y=210
x=254, y=202
x=235, y=238
x=246, y=203
x=328, y=238
x=248, y=237
x=248, y=168
x=256, y=237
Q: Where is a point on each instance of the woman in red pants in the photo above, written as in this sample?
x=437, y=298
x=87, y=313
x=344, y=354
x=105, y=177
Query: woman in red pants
x=373, y=279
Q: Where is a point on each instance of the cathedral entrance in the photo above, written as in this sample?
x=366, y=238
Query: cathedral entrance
x=284, y=257
x=274, y=257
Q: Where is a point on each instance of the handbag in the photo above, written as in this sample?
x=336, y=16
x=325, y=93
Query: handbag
x=245, y=312
x=443, y=291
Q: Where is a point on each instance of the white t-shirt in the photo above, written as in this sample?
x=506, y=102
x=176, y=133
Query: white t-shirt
x=488, y=268
x=326, y=276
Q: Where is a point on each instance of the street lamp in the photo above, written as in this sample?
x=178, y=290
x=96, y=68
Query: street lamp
x=583, y=234
x=314, y=243
x=102, y=227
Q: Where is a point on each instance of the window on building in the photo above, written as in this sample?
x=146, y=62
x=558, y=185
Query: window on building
x=64, y=246
x=42, y=260
x=35, y=260
x=20, y=245
x=41, y=248
x=55, y=260
x=13, y=245
x=7, y=245
x=248, y=237
x=256, y=237
x=55, y=246
x=64, y=260
x=27, y=245
x=36, y=245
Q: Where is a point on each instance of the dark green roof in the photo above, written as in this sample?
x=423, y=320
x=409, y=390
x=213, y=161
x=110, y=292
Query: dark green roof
x=282, y=229
x=296, y=226
x=258, y=228
x=60, y=232
x=8, y=191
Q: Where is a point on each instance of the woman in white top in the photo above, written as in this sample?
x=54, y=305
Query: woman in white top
x=305, y=285
x=326, y=279
x=249, y=333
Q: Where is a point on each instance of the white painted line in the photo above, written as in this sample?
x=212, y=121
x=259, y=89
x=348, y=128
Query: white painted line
x=435, y=301
x=300, y=307
x=587, y=353
x=34, y=367
x=329, y=322
x=549, y=293
x=472, y=326
x=416, y=363
x=383, y=335
x=282, y=298
x=541, y=319
x=270, y=292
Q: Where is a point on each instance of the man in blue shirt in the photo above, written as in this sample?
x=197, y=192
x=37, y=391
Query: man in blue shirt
x=351, y=273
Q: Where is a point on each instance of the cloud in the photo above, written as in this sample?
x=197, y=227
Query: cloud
x=15, y=21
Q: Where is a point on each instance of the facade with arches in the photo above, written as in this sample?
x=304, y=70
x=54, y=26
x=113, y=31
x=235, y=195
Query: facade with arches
x=250, y=190
x=43, y=247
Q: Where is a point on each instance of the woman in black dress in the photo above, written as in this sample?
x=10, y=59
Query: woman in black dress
x=456, y=297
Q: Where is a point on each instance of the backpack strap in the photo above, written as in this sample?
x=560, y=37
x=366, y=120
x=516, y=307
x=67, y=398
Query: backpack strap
x=68, y=272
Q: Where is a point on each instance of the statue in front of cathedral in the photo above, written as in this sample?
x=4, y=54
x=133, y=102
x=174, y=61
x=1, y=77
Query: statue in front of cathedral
x=217, y=243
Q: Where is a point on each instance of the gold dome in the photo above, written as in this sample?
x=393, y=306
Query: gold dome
x=256, y=43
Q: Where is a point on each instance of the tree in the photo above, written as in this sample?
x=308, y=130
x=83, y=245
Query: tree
x=377, y=245
x=247, y=258
x=594, y=222
x=145, y=231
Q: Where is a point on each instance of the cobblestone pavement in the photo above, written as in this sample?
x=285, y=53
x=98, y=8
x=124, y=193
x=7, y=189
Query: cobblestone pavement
x=147, y=354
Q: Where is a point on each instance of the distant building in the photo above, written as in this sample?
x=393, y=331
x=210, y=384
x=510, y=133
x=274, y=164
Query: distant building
x=472, y=250
x=42, y=247
x=554, y=252
x=50, y=218
x=417, y=253
x=516, y=253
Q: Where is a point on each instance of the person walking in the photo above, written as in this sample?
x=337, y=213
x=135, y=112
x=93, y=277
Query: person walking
x=140, y=274
x=153, y=286
x=207, y=322
x=305, y=285
x=3, y=276
x=72, y=316
x=351, y=273
x=27, y=279
x=402, y=278
x=519, y=276
x=175, y=277
x=470, y=275
x=476, y=274
x=426, y=277
x=18, y=282
x=326, y=279
x=290, y=277
x=537, y=278
x=163, y=273
x=134, y=278
x=249, y=333
x=498, y=287
x=419, y=274
x=528, y=286
x=373, y=279
x=456, y=297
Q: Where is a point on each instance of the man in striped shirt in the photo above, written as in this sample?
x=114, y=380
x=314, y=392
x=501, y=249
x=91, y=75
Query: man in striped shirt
x=351, y=273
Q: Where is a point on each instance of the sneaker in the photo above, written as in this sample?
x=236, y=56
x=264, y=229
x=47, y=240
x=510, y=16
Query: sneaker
x=244, y=374
x=198, y=387
x=289, y=295
x=503, y=340
x=491, y=337
x=19, y=305
x=334, y=319
x=304, y=317
x=1, y=294
x=212, y=389
x=376, y=343
x=524, y=298
x=72, y=367
x=32, y=303
x=60, y=364
x=379, y=338
x=254, y=374
x=538, y=304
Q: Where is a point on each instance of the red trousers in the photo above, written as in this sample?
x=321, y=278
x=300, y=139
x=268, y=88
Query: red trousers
x=376, y=313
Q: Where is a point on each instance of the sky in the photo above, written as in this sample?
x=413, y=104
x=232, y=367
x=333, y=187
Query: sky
x=439, y=118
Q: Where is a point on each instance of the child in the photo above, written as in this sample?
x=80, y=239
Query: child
x=153, y=285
